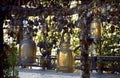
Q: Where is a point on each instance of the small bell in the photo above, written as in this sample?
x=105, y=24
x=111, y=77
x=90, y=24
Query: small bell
x=60, y=17
x=95, y=28
x=25, y=22
x=60, y=27
x=36, y=23
x=78, y=23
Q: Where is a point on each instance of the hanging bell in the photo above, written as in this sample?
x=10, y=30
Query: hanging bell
x=25, y=22
x=95, y=28
x=36, y=23
x=65, y=58
x=27, y=50
x=60, y=27
x=78, y=23
x=60, y=17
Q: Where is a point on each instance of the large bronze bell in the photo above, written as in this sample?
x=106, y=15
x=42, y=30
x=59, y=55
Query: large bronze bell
x=27, y=50
x=95, y=28
x=65, y=60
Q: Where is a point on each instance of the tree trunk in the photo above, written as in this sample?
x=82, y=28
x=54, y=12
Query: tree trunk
x=3, y=11
x=85, y=67
x=2, y=16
